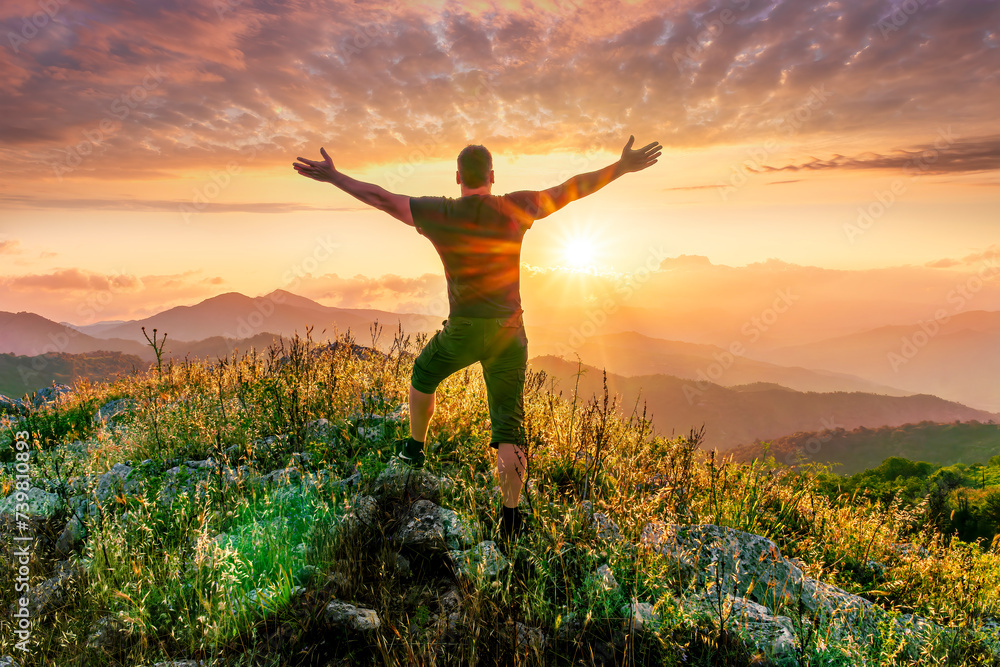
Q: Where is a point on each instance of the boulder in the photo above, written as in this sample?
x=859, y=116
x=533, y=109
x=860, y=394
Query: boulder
x=483, y=560
x=347, y=616
x=12, y=406
x=41, y=506
x=605, y=579
x=429, y=527
x=109, y=635
x=362, y=513
x=751, y=566
x=639, y=616
x=283, y=476
x=422, y=528
x=398, y=480
x=48, y=395
x=605, y=528
x=528, y=638
x=54, y=592
x=72, y=535
x=772, y=635
x=118, y=479
x=108, y=412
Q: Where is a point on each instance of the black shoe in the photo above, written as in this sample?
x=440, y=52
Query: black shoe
x=410, y=453
x=512, y=526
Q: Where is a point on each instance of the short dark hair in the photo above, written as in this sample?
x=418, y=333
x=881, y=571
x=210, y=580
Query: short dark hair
x=474, y=165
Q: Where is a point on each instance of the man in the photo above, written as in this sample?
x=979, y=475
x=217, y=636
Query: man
x=478, y=237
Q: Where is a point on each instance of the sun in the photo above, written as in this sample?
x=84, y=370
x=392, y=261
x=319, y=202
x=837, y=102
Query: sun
x=580, y=252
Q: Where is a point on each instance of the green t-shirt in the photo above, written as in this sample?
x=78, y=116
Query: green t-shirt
x=478, y=238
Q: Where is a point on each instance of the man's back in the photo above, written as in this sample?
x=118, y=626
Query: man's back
x=478, y=238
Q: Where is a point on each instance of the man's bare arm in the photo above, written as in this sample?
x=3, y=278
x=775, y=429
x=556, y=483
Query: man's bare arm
x=398, y=206
x=555, y=198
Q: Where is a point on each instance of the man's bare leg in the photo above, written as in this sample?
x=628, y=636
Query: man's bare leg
x=511, y=462
x=421, y=411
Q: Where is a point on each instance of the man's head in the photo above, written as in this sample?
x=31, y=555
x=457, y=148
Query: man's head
x=475, y=167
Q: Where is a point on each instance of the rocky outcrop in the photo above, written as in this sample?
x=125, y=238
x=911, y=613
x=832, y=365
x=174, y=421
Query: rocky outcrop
x=343, y=615
x=428, y=527
x=12, y=406
x=109, y=635
x=41, y=505
x=482, y=560
x=48, y=395
x=398, y=480
x=53, y=593
x=751, y=567
x=773, y=635
x=112, y=410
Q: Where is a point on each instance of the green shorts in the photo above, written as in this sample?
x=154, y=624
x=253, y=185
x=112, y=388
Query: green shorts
x=501, y=345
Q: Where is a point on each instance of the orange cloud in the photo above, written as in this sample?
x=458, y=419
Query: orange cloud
x=117, y=89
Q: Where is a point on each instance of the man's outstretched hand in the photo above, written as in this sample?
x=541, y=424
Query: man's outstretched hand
x=638, y=159
x=319, y=170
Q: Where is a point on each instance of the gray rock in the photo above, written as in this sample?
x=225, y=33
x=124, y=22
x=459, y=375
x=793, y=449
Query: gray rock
x=362, y=513
x=48, y=395
x=7, y=661
x=182, y=663
x=344, y=615
x=402, y=565
x=113, y=409
x=451, y=601
x=118, y=479
x=430, y=527
x=71, y=536
x=109, y=635
x=639, y=615
x=398, y=480
x=773, y=635
x=321, y=430
x=283, y=476
x=182, y=479
x=14, y=406
x=528, y=638
x=750, y=565
x=605, y=579
x=449, y=627
x=483, y=559
x=42, y=505
x=422, y=528
x=457, y=531
x=305, y=574
x=53, y=593
x=606, y=529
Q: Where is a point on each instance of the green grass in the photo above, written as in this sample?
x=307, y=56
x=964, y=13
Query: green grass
x=213, y=574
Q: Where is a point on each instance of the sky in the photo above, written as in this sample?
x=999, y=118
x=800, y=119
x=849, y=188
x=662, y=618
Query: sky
x=146, y=148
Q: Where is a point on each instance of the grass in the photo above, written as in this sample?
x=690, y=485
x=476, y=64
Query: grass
x=236, y=572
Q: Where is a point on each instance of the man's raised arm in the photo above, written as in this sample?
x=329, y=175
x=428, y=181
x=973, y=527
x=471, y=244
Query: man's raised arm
x=553, y=199
x=398, y=206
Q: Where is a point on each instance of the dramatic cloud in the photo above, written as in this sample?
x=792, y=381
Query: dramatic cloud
x=942, y=157
x=74, y=279
x=86, y=297
x=154, y=205
x=119, y=89
x=987, y=258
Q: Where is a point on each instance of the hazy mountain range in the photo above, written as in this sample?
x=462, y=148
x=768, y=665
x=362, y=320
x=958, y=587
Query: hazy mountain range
x=846, y=382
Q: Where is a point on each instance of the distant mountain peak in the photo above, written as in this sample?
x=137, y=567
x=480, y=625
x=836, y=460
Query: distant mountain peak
x=290, y=299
